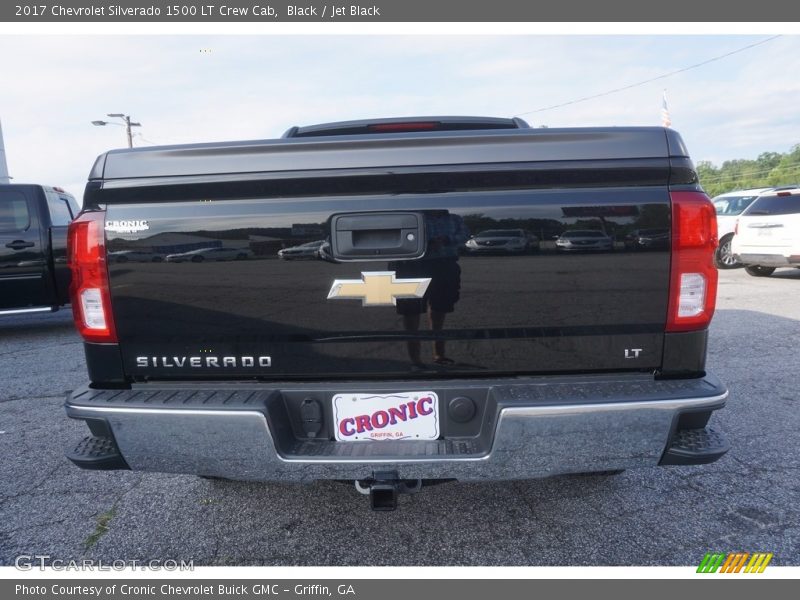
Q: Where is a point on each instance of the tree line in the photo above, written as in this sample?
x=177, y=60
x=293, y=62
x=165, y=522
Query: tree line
x=768, y=170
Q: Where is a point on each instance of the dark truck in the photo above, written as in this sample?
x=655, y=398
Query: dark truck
x=34, y=275
x=392, y=358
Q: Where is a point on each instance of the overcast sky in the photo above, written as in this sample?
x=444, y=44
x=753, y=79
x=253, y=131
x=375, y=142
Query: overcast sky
x=188, y=88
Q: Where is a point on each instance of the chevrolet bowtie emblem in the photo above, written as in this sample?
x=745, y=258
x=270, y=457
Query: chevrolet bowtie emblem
x=379, y=288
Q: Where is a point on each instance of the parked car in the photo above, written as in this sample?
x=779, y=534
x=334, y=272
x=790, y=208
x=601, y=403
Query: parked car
x=307, y=250
x=584, y=240
x=203, y=254
x=124, y=256
x=767, y=234
x=729, y=206
x=512, y=241
x=34, y=276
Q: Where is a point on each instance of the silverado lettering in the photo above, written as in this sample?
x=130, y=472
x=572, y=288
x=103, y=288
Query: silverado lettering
x=203, y=361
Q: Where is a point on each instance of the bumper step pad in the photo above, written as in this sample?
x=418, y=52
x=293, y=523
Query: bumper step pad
x=97, y=453
x=695, y=447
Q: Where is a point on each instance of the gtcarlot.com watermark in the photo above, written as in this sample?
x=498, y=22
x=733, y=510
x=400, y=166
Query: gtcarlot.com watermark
x=29, y=562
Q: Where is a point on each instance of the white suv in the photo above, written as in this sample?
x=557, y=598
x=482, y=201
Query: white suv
x=729, y=206
x=768, y=233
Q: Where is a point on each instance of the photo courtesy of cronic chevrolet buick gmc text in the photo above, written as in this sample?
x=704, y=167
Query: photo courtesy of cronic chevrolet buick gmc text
x=392, y=357
x=34, y=276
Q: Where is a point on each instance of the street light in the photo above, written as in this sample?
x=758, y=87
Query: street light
x=128, y=125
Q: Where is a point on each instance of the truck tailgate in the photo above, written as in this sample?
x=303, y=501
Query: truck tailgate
x=536, y=310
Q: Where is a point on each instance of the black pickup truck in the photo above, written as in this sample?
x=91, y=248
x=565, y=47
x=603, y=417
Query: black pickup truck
x=393, y=356
x=34, y=276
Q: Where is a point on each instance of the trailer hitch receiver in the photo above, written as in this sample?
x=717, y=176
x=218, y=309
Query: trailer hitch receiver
x=384, y=487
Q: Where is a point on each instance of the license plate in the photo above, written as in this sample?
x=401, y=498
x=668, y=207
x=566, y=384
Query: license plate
x=765, y=232
x=402, y=416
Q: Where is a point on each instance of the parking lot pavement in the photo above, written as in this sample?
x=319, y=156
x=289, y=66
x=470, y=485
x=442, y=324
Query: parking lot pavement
x=745, y=502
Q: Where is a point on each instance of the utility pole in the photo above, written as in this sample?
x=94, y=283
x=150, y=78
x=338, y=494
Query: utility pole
x=128, y=124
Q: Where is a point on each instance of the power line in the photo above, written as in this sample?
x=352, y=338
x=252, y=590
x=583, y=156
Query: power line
x=651, y=80
x=719, y=177
x=145, y=140
x=156, y=143
x=756, y=172
x=740, y=175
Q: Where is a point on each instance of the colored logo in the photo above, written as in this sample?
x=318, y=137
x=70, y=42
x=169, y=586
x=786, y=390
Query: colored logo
x=409, y=415
x=379, y=288
x=734, y=562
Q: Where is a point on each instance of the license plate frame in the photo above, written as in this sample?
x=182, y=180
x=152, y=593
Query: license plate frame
x=366, y=417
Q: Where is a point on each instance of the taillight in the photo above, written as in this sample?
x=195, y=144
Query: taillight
x=693, y=276
x=89, y=291
x=736, y=227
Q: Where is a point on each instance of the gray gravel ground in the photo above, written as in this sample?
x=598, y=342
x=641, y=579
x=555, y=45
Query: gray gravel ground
x=663, y=516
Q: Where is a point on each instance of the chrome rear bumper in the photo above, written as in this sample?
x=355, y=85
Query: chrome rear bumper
x=768, y=260
x=539, y=427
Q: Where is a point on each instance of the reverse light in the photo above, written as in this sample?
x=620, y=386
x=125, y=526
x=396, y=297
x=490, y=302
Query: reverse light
x=89, y=290
x=692, y=295
x=693, y=276
x=94, y=317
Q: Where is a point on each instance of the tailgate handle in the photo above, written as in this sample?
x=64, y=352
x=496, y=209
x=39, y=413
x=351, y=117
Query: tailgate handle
x=19, y=245
x=377, y=236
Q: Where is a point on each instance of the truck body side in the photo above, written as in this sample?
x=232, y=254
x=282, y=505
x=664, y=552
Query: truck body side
x=34, y=276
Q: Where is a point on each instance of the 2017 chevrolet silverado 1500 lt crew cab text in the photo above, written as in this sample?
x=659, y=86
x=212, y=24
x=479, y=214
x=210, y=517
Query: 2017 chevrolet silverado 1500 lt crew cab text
x=393, y=357
x=34, y=276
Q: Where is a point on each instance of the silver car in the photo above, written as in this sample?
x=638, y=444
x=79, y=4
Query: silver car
x=584, y=240
x=513, y=241
x=309, y=250
x=123, y=256
x=216, y=254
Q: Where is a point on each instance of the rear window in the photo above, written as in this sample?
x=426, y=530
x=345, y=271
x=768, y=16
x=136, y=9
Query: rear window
x=775, y=205
x=60, y=208
x=733, y=205
x=14, y=215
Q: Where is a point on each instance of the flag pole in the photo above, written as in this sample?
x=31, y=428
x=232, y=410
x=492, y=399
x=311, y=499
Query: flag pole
x=666, y=119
